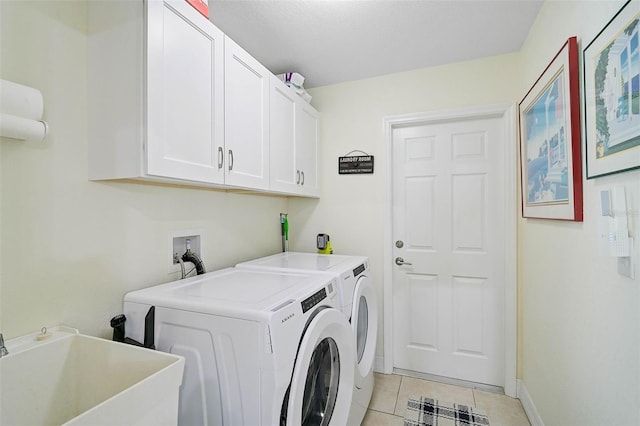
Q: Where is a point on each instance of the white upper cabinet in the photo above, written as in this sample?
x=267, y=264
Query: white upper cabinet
x=172, y=99
x=246, y=103
x=184, y=93
x=294, y=142
x=155, y=92
x=283, y=138
x=307, y=148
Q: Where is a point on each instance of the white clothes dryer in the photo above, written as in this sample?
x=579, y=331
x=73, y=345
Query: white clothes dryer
x=359, y=304
x=260, y=347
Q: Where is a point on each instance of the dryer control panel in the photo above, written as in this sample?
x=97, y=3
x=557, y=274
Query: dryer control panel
x=359, y=269
x=314, y=299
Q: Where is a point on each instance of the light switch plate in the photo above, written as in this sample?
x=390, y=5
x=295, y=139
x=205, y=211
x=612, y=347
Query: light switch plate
x=626, y=268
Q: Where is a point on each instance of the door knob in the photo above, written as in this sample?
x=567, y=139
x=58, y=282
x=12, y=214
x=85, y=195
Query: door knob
x=400, y=261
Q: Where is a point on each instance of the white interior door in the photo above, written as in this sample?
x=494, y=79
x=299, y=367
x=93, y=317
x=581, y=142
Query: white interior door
x=448, y=226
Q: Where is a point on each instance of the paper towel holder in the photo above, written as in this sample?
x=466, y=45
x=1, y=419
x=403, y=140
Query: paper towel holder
x=21, y=110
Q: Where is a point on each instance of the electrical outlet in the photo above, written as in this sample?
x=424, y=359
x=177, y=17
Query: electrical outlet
x=178, y=246
x=625, y=264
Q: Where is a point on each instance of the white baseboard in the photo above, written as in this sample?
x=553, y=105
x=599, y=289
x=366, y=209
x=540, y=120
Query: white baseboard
x=528, y=405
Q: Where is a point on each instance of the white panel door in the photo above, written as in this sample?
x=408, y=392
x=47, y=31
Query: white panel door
x=184, y=93
x=246, y=95
x=448, y=226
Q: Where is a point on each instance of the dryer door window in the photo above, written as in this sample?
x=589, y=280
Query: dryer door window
x=364, y=323
x=322, y=383
x=362, y=327
x=321, y=386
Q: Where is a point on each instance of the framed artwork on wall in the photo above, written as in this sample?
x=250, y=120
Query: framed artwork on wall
x=550, y=151
x=612, y=95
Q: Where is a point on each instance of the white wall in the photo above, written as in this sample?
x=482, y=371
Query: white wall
x=351, y=208
x=72, y=248
x=580, y=319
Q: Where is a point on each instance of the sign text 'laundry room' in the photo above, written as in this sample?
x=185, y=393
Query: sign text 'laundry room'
x=359, y=164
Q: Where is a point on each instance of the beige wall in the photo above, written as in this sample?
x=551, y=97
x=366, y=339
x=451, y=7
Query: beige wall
x=580, y=319
x=72, y=248
x=579, y=331
x=351, y=208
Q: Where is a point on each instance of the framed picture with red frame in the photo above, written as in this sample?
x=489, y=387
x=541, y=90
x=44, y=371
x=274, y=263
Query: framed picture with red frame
x=201, y=6
x=550, y=142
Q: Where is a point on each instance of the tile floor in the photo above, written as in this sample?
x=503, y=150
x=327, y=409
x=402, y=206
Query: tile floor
x=391, y=392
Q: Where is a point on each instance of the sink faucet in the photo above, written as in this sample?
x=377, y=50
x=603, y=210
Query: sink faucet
x=3, y=348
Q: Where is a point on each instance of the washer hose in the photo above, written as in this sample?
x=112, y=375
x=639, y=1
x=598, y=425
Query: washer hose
x=190, y=256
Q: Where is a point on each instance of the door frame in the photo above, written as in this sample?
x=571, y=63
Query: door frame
x=508, y=114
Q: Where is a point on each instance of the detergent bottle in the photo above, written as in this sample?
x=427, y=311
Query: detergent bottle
x=323, y=244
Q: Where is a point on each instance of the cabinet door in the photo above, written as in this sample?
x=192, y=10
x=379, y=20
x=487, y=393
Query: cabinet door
x=282, y=146
x=246, y=119
x=184, y=93
x=307, y=148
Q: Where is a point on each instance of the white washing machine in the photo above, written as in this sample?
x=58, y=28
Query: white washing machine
x=261, y=347
x=358, y=302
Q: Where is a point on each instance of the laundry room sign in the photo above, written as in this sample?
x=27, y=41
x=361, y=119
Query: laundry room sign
x=358, y=164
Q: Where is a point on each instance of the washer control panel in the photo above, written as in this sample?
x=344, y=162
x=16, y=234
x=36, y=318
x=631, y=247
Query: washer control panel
x=314, y=299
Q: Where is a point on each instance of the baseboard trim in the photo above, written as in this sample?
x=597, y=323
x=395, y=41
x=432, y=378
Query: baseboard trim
x=528, y=405
x=449, y=381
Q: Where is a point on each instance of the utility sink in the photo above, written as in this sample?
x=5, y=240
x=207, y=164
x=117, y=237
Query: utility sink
x=62, y=377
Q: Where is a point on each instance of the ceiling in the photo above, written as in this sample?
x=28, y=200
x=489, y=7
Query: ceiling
x=330, y=42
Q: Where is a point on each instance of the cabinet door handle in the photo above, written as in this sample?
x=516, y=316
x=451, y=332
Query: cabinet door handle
x=297, y=177
x=220, y=157
x=302, y=182
x=230, y=159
